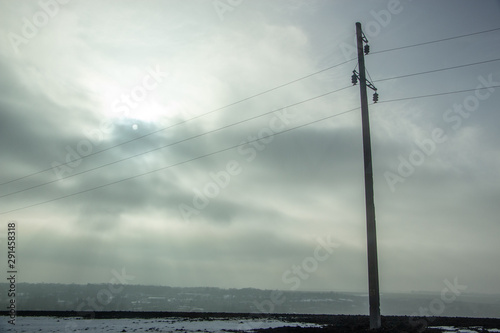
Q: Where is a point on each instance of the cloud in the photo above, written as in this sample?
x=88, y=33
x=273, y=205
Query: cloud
x=290, y=188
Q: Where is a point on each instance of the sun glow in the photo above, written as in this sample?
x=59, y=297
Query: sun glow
x=147, y=111
x=131, y=103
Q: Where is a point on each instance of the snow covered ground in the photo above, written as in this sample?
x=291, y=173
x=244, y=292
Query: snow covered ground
x=68, y=325
x=73, y=325
x=474, y=329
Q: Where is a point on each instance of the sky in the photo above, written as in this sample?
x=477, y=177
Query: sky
x=196, y=143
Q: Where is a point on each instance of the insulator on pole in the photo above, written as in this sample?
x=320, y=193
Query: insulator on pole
x=354, y=78
x=375, y=97
x=367, y=49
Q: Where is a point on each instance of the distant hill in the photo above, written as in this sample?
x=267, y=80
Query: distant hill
x=108, y=297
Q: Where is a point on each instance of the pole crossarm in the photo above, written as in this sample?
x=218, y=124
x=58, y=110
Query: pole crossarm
x=368, y=83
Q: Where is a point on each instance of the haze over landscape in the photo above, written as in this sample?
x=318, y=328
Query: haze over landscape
x=272, y=202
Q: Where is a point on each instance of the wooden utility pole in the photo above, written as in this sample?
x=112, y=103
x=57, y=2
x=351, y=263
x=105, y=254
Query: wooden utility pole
x=373, y=285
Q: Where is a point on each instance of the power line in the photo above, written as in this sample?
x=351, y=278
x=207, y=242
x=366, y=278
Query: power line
x=438, y=94
x=259, y=94
x=437, y=70
x=187, y=120
x=179, y=163
x=249, y=119
x=252, y=118
x=435, y=41
x=174, y=143
x=241, y=144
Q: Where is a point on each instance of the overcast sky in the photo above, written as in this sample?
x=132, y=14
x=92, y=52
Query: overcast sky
x=85, y=76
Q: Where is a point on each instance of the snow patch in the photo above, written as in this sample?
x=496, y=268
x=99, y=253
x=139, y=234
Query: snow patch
x=73, y=325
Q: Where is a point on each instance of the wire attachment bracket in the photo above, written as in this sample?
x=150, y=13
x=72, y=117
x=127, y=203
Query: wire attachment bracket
x=354, y=79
